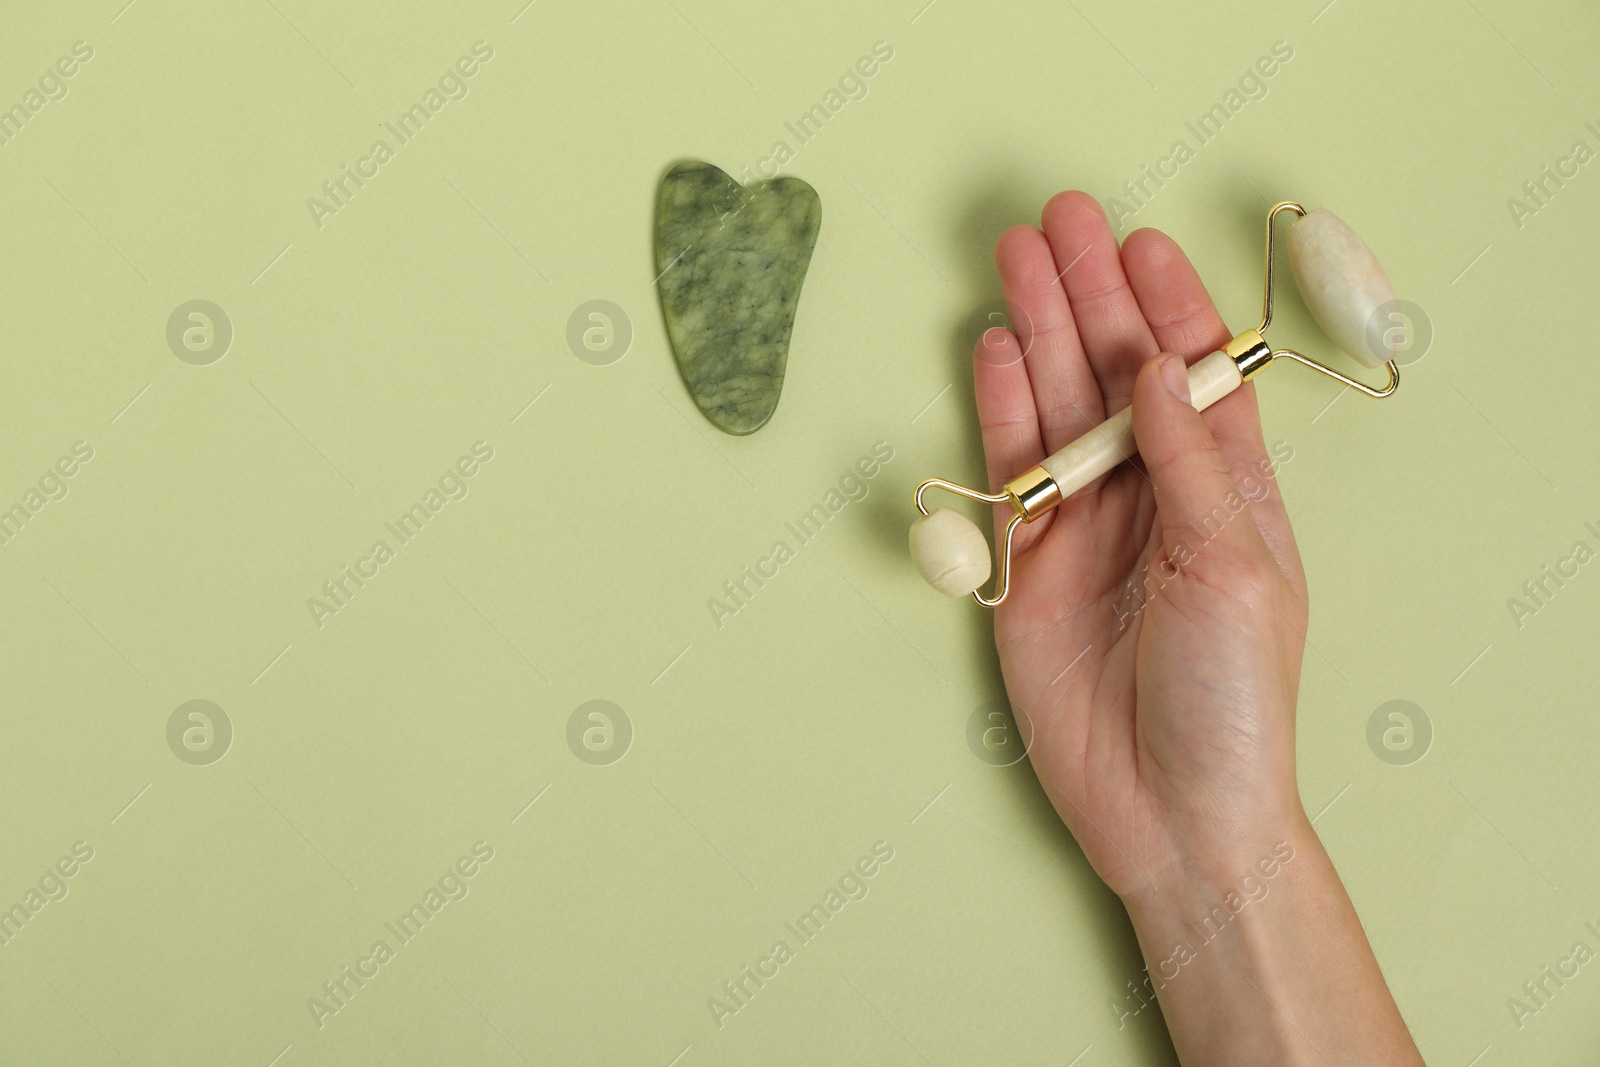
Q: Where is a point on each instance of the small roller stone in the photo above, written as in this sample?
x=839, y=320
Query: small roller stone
x=950, y=552
x=1341, y=282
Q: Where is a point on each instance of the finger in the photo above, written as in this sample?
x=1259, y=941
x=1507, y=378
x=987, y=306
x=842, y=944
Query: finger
x=1010, y=425
x=1184, y=320
x=1006, y=415
x=1193, y=486
x=1171, y=296
x=1112, y=330
x=1064, y=391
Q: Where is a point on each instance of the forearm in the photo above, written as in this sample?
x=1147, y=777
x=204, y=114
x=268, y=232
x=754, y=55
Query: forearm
x=1260, y=959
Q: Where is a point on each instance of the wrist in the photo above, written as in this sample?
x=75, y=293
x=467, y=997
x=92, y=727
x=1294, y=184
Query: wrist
x=1257, y=956
x=1231, y=871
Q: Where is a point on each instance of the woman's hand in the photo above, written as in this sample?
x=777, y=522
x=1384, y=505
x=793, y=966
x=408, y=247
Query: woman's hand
x=1153, y=632
x=1151, y=646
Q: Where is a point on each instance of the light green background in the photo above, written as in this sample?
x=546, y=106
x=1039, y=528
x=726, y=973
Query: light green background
x=830, y=713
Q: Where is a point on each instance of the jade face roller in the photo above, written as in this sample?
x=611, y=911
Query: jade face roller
x=1343, y=286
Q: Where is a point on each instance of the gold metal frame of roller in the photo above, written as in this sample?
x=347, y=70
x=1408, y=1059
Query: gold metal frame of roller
x=1034, y=493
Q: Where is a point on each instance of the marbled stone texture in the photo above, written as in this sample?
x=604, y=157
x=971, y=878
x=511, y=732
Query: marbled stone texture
x=731, y=260
x=1341, y=282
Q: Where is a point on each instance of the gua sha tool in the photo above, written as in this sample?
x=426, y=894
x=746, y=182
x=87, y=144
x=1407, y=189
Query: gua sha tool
x=730, y=260
x=1343, y=286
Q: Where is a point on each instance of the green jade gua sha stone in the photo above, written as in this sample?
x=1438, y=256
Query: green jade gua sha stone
x=731, y=260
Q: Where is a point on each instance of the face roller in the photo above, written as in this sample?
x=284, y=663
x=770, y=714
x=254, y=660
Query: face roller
x=1343, y=286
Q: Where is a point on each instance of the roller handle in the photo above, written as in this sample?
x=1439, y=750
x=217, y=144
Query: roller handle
x=1111, y=442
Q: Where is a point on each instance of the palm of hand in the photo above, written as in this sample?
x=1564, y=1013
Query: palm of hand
x=1154, y=663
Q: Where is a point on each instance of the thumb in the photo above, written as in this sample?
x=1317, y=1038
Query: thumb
x=1196, y=497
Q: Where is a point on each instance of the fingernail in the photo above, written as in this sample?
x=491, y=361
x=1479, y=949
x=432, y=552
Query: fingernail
x=1175, y=377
